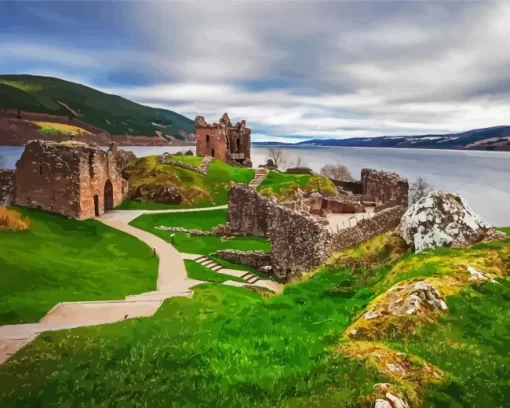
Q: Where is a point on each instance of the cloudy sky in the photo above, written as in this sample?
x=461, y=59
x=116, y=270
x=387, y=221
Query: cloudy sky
x=293, y=69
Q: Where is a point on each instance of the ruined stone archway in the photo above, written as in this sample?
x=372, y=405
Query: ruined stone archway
x=108, y=196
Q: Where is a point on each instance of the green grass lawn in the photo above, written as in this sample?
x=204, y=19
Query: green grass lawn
x=225, y=347
x=136, y=205
x=202, y=245
x=229, y=347
x=193, y=160
x=196, y=189
x=199, y=272
x=59, y=259
x=282, y=184
x=202, y=220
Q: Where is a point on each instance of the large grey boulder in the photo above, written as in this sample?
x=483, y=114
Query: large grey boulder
x=444, y=219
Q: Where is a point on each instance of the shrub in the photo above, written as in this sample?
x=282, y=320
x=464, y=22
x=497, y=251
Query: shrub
x=12, y=220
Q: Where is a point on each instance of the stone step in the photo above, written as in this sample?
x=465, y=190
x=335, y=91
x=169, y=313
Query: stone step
x=252, y=279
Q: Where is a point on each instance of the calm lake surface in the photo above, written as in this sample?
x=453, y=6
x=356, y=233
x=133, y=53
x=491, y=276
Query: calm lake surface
x=482, y=178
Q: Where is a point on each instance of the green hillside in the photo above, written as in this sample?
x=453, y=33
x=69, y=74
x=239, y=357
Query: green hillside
x=195, y=189
x=229, y=347
x=113, y=113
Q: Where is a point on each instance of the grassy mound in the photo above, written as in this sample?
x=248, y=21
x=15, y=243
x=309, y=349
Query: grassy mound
x=283, y=186
x=196, y=190
x=58, y=260
x=232, y=347
x=117, y=115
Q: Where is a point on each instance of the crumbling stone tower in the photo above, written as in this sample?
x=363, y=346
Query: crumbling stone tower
x=232, y=144
x=69, y=178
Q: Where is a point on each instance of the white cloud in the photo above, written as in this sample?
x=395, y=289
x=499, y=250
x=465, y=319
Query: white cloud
x=321, y=69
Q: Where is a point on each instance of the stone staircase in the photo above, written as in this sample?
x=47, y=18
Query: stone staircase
x=260, y=176
x=216, y=267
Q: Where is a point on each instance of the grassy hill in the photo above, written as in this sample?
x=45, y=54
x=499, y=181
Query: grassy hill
x=115, y=114
x=196, y=189
x=284, y=185
x=229, y=347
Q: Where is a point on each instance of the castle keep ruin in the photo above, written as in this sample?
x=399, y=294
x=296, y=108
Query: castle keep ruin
x=223, y=141
x=69, y=178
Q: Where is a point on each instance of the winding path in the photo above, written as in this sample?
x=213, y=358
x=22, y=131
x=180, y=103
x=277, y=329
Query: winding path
x=172, y=281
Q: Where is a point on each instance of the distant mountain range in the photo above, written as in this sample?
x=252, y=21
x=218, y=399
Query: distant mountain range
x=493, y=138
x=37, y=99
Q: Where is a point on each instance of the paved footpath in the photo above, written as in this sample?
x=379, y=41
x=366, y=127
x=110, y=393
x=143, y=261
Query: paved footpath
x=172, y=281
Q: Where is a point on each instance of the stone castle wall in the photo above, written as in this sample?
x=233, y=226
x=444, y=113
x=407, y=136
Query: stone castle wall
x=7, y=187
x=298, y=242
x=368, y=228
x=65, y=178
x=385, y=187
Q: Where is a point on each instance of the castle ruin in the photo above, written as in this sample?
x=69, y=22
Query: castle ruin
x=69, y=178
x=223, y=141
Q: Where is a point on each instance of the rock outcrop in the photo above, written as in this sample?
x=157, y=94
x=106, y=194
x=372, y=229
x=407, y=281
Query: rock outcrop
x=444, y=219
x=408, y=302
x=157, y=194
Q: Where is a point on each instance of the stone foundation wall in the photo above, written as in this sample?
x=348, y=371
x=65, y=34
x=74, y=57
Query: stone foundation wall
x=7, y=187
x=385, y=187
x=298, y=242
x=366, y=229
x=255, y=259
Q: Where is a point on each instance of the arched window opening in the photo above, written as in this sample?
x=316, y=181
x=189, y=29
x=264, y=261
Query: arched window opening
x=207, y=138
x=40, y=170
x=238, y=143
